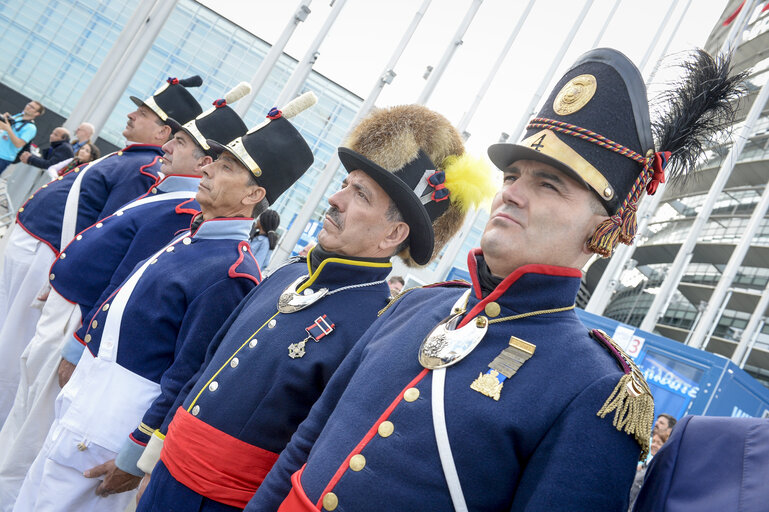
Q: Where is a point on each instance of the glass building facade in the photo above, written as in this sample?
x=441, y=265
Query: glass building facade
x=52, y=49
x=728, y=221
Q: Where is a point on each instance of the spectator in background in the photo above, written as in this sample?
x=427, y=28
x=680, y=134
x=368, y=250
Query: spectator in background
x=59, y=150
x=660, y=434
x=88, y=153
x=664, y=424
x=16, y=131
x=83, y=135
x=396, y=285
x=264, y=238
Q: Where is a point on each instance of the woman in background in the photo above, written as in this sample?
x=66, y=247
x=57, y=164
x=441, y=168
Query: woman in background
x=263, y=237
x=88, y=152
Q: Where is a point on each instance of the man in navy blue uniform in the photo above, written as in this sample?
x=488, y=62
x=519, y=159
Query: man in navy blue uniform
x=70, y=203
x=96, y=262
x=273, y=356
x=179, y=296
x=496, y=397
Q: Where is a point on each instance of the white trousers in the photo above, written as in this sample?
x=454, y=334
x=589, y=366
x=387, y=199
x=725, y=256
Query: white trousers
x=53, y=486
x=32, y=413
x=24, y=274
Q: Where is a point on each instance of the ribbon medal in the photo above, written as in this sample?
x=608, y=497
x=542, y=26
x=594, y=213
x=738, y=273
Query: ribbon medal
x=504, y=366
x=315, y=332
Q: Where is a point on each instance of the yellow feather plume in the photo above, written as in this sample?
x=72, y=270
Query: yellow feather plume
x=470, y=181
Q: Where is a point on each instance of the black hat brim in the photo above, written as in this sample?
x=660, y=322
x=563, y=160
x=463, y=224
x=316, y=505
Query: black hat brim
x=421, y=236
x=141, y=103
x=503, y=154
x=175, y=125
x=217, y=149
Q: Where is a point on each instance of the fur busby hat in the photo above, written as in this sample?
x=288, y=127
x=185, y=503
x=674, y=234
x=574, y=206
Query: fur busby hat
x=219, y=123
x=173, y=100
x=273, y=151
x=595, y=126
x=418, y=158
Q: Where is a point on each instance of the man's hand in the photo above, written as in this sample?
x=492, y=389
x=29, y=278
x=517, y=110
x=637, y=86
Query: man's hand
x=142, y=486
x=65, y=372
x=4, y=126
x=24, y=157
x=115, y=479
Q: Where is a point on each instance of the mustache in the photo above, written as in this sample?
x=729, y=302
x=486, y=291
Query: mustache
x=333, y=213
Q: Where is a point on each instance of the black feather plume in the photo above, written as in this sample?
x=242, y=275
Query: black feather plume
x=193, y=81
x=698, y=108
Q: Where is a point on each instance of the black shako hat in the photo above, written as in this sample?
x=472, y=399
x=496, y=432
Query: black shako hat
x=173, y=100
x=220, y=123
x=419, y=160
x=603, y=93
x=274, y=151
x=595, y=126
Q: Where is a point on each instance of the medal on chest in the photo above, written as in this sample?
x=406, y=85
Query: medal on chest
x=446, y=344
x=290, y=301
x=319, y=329
x=504, y=366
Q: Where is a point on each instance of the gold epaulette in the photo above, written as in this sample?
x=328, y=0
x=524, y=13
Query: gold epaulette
x=631, y=400
x=456, y=282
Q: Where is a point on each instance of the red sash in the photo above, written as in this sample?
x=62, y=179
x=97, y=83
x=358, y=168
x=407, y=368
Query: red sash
x=212, y=463
x=297, y=500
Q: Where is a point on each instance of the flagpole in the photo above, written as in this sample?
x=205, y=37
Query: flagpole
x=267, y=65
x=303, y=68
x=456, y=243
x=288, y=241
x=531, y=108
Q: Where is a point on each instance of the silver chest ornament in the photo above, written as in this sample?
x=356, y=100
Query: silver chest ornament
x=290, y=301
x=447, y=345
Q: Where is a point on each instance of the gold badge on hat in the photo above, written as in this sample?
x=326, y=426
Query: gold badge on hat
x=575, y=95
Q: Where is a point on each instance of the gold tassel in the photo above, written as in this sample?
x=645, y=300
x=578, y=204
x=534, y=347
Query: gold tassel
x=604, y=238
x=633, y=408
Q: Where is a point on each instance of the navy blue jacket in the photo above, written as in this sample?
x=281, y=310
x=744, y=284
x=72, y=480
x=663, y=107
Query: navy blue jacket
x=262, y=399
x=540, y=447
x=101, y=256
x=108, y=184
x=183, y=296
x=710, y=465
x=59, y=151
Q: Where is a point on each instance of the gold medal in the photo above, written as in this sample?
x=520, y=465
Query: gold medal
x=504, y=366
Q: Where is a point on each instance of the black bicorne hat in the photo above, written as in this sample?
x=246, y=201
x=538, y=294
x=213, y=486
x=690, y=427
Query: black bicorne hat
x=419, y=160
x=408, y=188
x=220, y=123
x=274, y=151
x=173, y=100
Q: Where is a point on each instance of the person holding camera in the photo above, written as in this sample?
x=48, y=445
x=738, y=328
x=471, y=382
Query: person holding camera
x=16, y=131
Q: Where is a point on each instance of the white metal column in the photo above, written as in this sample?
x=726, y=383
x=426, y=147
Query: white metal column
x=303, y=68
x=267, y=65
x=104, y=77
x=456, y=42
x=753, y=328
x=288, y=241
x=606, y=23
x=130, y=61
x=520, y=128
x=670, y=284
x=730, y=271
x=454, y=246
